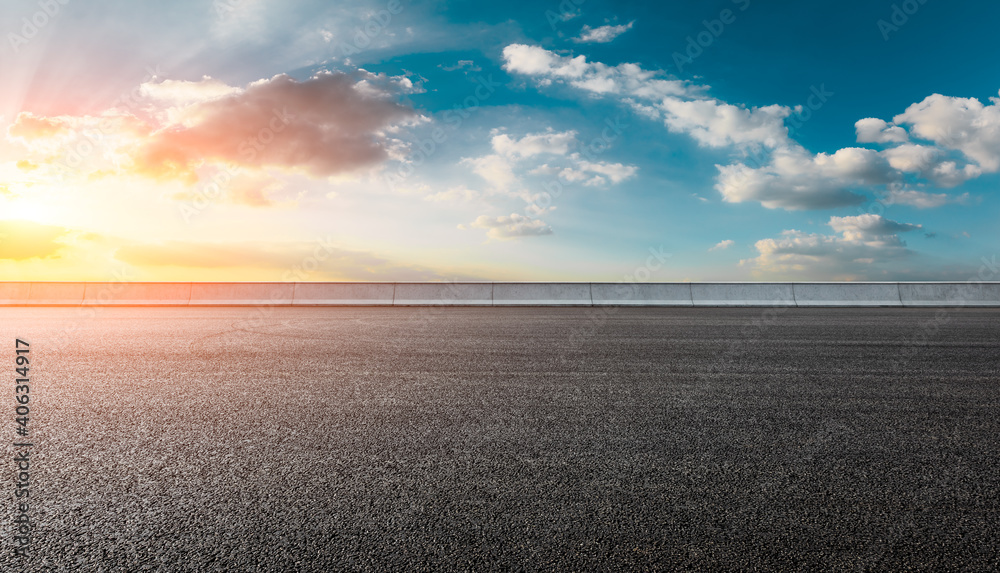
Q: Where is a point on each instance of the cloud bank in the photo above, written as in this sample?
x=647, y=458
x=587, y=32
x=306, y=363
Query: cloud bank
x=961, y=137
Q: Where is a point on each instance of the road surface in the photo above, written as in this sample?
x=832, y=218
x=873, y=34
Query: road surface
x=326, y=439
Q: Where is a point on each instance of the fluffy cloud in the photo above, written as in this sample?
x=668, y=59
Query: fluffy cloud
x=602, y=34
x=461, y=65
x=510, y=227
x=873, y=130
x=624, y=79
x=723, y=245
x=931, y=163
x=870, y=229
x=328, y=124
x=456, y=194
x=558, y=143
x=962, y=124
x=913, y=158
x=28, y=126
x=82, y=145
x=498, y=167
x=791, y=177
x=716, y=124
x=511, y=160
x=680, y=105
x=185, y=93
x=596, y=173
x=862, y=244
x=494, y=169
x=923, y=200
x=795, y=179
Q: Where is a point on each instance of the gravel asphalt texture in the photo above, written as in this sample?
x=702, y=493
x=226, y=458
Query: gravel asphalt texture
x=508, y=439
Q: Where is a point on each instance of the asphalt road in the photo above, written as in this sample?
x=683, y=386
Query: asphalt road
x=509, y=439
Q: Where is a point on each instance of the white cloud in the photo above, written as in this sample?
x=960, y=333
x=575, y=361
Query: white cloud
x=616, y=172
x=870, y=229
x=962, y=124
x=930, y=162
x=863, y=244
x=791, y=177
x=723, y=245
x=913, y=158
x=514, y=157
x=552, y=142
x=495, y=169
x=602, y=34
x=329, y=124
x=570, y=175
x=623, y=79
x=795, y=180
x=923, y=200
x=502, y=168
x=510, y=227
x=468, y=65
x=544, y=170
x=948, y=174
x=873, y=130
x=716, y=124
x=184, y=93
x=455, y=194
x=680, y=105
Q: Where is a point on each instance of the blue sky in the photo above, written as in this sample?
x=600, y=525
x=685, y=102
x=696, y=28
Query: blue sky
x=749, y=140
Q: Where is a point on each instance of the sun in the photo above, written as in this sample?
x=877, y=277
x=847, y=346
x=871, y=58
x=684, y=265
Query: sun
x=25, y=209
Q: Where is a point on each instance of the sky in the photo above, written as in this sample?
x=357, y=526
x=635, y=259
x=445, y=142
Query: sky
x=576, y=140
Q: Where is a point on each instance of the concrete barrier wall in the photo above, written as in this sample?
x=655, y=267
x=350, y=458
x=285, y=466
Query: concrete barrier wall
x=641, y=294
x=137, y=294
x=847, y=294
x=343, y=294
x=548, y=294
x=14, y=294
x=742, y=294
x=59, y=294
x=952, y=294
x=242, y=294
x=949, y=294
x=444, y=294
